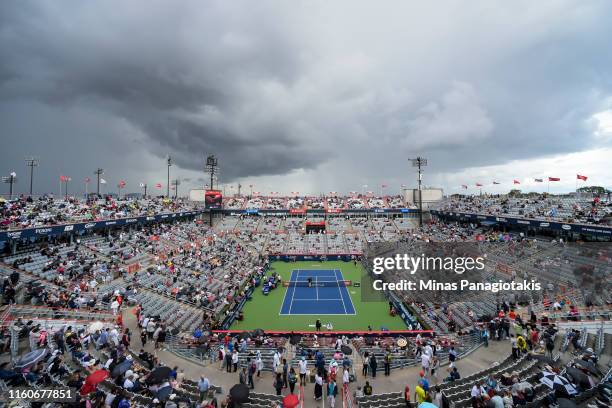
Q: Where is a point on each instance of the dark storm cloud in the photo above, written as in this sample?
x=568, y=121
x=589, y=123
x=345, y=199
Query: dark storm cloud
x=349, y=89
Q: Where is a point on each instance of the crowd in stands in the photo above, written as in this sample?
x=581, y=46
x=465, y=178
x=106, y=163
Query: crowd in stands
x=27, y=212
x=591, y=210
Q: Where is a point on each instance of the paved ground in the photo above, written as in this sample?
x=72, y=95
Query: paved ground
x=478, y=360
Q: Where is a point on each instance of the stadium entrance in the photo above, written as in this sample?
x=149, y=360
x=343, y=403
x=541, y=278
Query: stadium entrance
x=315, y=227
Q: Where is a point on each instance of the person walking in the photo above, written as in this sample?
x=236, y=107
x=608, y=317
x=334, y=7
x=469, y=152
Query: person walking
x=303, y=369
x=387, y=363
x=292, y=379
x=252, y=368
x=373, y=365
x=143, y=338
x=332, y=392
x=285, y=373
x=235, y=360
x=366, y=364
x=318, y=388
x=203, y=386
x=278, y=384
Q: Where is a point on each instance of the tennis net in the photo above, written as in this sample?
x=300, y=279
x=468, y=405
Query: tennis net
x=317, y=283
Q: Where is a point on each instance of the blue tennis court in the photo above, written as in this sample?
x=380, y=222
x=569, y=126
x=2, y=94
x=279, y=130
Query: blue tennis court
x=323, y=297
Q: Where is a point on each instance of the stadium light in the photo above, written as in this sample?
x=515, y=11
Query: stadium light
x=419, y=162
x=98, y=173
x=211, y=168
x=10, y=180
x=31, y=162
x=169, y=163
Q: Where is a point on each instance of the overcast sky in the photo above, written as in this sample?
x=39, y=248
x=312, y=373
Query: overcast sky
x=312, y=96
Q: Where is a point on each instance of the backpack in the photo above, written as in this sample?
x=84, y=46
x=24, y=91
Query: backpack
x=252, y=368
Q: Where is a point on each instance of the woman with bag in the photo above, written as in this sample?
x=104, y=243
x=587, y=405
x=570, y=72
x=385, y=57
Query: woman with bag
x=292, y=379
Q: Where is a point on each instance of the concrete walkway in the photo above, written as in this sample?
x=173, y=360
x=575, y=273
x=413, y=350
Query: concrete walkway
x=477, y=361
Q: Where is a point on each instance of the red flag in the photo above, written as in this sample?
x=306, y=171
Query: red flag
x=516, y=182
x=122, y=184
x=579, y=177
x=554, y=179
x=384, y=186
x=158, y=185
x=478, y=185
x=87, y=179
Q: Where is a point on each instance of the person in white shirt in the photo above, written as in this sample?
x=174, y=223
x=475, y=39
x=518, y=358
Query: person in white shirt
x=477, y=392
x=428, y=350
x=303, y=369
x=128, y=384
x=276, y=361
x=345, y=377
x=235, y=360
x=425, y=363
x=115, y=306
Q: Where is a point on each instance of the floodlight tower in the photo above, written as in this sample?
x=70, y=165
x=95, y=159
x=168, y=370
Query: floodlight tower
x=31, y=162
x=419, y=162
x=169, y=164
x=98, y=173
x=211, y=168
x=10, y=180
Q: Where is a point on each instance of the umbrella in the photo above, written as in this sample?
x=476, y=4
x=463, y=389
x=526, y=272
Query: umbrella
x=557, y=383
x=121, y=368
x=291, y=401
x=239, y=393
x=258, y=332
x=295, y=339
x=590, y=366
x=30, y=358
x=163, y=393
x=94, y=327
x=544, y=359
x=159, y=375
x=175, y=331
x=97, y=377
x=578, y=376
x=346, y=350
x=92, y=380
x=565, y=403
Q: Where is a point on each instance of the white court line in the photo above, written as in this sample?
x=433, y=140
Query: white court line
x=340, y=292
x=293, y=293
x=317, y=286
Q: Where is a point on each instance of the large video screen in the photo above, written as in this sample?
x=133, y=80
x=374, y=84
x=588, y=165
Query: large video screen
x=213, y=199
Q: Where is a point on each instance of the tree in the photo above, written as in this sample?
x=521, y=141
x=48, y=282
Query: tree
x=514, y=193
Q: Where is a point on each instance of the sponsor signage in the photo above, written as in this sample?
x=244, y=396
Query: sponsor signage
x=576, y=228
x=86, y=226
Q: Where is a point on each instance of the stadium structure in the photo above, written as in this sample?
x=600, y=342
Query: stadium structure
x=172, y=302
